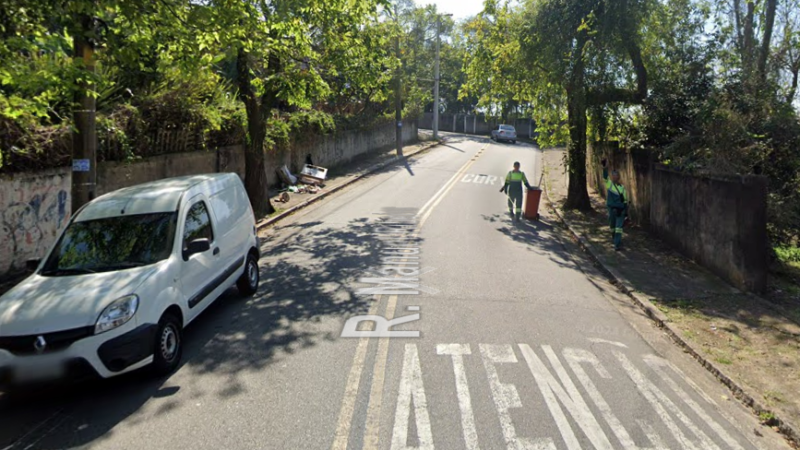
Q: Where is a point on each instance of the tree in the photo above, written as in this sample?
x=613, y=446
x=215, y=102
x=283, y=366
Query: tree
x=495, y=72
x=787, y=53
x=754, y=54
x=279, y=48
x=602, y=41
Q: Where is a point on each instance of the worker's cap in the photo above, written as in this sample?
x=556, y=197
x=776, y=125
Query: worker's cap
x=516, y=163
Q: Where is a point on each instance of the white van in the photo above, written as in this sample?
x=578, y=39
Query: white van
x=129, y=272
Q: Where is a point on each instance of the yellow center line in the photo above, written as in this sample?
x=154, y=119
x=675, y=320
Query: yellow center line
x=372, y=427
x=351, y=388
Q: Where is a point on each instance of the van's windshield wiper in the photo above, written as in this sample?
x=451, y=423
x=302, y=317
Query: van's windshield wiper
x=123, y=265
x=68, y=271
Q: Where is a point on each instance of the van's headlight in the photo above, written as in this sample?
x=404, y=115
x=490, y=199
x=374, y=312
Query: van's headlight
x=117, y=314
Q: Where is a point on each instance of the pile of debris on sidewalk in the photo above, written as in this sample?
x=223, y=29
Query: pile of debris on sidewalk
x=310, y=181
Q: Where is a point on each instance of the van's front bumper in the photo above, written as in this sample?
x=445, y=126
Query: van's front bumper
x=115, y=352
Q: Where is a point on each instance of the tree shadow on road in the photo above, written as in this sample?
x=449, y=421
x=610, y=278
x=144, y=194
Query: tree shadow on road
x=539, y=236
x=309, y=280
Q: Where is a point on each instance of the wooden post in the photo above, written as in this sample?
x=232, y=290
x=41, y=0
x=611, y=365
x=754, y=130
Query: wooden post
x=84, y=138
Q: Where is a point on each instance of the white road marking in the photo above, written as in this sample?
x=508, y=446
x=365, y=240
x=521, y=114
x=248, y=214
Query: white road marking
x=576, y=357
x=661, y=403
x=651, y=434
x=658, y=365
x=422, y=211
x=411, y=391
x=372, y=428
x=506, y=397
x=569, y=396
x=351, y=389
x=606, y=341
x=479, y=178
x=56, y=417
x=456, y=351
x=443, y=192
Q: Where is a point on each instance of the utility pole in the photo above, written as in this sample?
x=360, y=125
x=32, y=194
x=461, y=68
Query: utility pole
x=84, y=138
x=436, y=77
x=398, y=104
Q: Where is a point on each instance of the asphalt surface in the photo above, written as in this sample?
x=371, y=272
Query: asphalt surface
x=521, y=344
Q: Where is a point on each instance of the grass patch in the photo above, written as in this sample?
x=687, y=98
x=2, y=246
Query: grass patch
x=773, y=396
x=788, y=255
x=723, y=360
x=767, y=418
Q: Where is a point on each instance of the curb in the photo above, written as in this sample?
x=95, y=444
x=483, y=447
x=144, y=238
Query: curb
x=789, y=433
x=372, y=169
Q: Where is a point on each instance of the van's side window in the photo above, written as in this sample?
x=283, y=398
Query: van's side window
x=198, y=224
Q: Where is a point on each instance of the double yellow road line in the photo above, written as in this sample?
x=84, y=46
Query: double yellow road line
x=372, y=427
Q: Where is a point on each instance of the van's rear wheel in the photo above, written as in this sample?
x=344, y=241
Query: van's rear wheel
x=168, y=345
x=248, y=282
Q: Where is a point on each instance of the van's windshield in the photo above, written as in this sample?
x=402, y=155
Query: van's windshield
x=114, y=243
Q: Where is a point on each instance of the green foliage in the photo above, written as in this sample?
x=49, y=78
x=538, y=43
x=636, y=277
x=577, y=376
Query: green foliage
x=297, y=127
x=788, y=255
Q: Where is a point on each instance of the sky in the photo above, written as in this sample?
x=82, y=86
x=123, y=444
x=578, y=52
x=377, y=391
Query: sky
x=460, y=9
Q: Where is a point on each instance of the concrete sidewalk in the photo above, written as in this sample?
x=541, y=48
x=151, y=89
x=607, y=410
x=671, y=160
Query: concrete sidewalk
x=341, y=176
x=745, y=341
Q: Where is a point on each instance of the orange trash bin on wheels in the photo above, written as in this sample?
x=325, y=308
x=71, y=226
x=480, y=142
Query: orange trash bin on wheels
x=531, y=210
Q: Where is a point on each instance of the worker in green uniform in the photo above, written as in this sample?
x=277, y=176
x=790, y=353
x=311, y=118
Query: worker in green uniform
x=617, y=203
x=513, y=188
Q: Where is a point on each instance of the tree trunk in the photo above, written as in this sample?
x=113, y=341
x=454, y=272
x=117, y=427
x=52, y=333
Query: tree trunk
x=748, y=50
x=793, y=87
x=767, y=39
x=255, y=179
x=578, y=194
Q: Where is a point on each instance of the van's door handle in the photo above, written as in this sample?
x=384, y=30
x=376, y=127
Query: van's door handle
x=216, y=251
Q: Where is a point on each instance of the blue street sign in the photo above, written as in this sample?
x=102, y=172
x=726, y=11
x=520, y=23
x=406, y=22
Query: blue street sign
x=80, y=165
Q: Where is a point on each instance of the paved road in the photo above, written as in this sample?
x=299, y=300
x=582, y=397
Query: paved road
x=521, y=344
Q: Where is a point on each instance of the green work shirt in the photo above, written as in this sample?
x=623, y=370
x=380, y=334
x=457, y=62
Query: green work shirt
x=616, y=196
x=514, y=182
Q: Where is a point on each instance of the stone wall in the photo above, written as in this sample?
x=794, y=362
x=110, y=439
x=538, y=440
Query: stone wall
x=634, y=167
x=35, y=206
x=331, y=150
x=719, y=222
x=476, y=124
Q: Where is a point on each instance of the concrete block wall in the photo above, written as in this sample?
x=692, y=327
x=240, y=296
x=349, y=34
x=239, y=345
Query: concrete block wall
x=635, y=168
x=335, y=149
x=35, y=206
x=479, y=125
x=719, y=222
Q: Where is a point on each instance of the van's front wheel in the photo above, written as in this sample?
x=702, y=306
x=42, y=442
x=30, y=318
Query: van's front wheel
x=168, y=345
x=248, y=282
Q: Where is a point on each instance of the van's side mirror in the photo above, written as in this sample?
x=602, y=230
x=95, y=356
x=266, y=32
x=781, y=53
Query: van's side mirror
x=33, y=264
x=196, y=246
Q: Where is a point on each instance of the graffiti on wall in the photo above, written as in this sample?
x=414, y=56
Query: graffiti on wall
x=30, y=221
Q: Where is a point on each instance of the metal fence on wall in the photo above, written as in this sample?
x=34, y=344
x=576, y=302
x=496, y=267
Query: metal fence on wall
x=476, y=124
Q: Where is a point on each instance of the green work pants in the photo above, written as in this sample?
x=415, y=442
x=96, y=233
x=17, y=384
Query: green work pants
x=515, y=199
x=616, y=218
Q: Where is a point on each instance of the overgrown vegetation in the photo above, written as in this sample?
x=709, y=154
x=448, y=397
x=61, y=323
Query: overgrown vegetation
x=179, y=75
x=711, y=86
x=708, y=85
